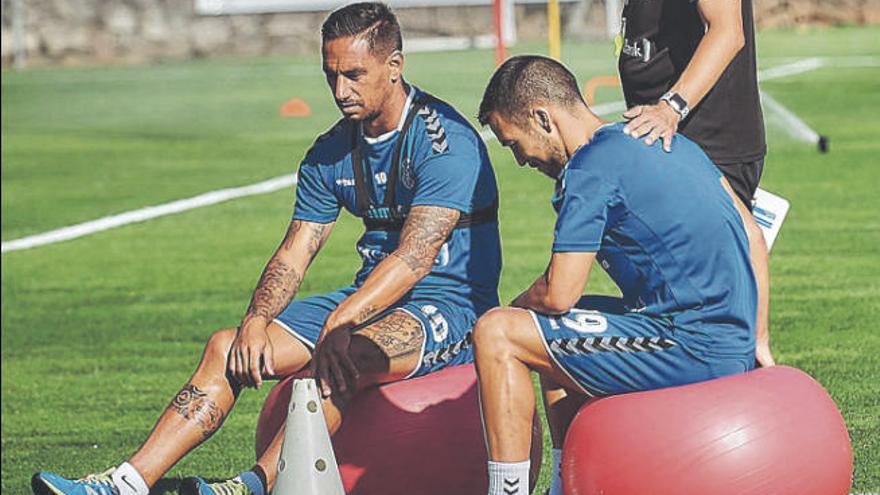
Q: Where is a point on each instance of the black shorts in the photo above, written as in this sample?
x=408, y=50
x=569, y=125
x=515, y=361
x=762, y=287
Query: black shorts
x=743, y=178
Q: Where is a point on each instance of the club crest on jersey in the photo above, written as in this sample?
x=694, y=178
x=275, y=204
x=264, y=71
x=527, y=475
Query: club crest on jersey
x=407, y=174
x=439, y=326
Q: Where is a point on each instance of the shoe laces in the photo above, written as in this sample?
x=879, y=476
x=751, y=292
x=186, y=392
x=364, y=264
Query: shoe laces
x=230, y=487
x=102, y=478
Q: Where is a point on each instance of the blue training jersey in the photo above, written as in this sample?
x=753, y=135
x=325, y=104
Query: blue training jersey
x=665, y=230
x=443, y=162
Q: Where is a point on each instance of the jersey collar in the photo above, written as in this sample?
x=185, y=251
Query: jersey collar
x=388, y=135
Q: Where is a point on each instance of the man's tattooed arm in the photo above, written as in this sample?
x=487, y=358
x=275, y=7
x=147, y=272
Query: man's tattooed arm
x=424, y=232
x=284, y=273
x=276, y=289
x=194, y=404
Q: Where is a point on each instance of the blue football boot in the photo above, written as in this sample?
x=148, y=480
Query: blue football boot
x=198, y=486
x=44, y=483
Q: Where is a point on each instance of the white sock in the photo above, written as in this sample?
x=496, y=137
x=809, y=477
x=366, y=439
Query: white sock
x=128, y=481
x=556, y=474
x=509, y=478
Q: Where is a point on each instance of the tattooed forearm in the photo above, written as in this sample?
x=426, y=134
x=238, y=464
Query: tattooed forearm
x=397, y=335
x=425, y=231
x=194, y=404
x=280, y=279
x=276, y=289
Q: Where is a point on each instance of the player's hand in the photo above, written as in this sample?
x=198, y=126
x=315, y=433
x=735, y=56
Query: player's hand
x=763, y=355
x=658, y=121
x=251, y=354
x=332, y=365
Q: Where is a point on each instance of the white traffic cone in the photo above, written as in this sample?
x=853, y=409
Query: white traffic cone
x=308, y=464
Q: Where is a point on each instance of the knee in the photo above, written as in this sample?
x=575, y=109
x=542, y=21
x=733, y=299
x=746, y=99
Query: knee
x=217, y=348
x=491, y=334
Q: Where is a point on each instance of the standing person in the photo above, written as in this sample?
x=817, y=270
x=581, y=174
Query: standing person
x=690, y=66
x=418, y=175
x=689, y=296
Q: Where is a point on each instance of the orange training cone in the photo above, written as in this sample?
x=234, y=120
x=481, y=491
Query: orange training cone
x=294, y=107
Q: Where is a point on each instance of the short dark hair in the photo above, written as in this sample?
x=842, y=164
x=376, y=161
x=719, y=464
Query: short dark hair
x=374, y=20
x=524, y=81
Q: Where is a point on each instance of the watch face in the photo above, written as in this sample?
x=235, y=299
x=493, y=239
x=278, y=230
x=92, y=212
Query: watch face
x=679, y=101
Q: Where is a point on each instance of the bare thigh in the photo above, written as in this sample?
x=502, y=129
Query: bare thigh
x=389, y=349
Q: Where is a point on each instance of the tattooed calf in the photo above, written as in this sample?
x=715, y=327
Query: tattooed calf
x=194, y=404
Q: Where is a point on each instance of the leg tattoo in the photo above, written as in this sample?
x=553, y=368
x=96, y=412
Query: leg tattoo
x=397, y=335
x=194, y=404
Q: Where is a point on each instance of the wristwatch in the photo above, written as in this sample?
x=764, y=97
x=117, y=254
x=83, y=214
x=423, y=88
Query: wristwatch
x=677, y=103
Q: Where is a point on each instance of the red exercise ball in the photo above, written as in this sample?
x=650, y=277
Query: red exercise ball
x=769, y=431
x=422, y=435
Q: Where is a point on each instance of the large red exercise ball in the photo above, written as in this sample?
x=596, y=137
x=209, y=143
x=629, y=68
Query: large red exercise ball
x=419, y=436
x=769, y=431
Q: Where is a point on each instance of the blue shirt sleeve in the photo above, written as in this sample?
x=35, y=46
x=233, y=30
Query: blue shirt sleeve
x=315, y=202
x=583, y=215
x=449, y=179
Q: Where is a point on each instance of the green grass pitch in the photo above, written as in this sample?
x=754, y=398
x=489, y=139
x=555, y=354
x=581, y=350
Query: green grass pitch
x=99, y=333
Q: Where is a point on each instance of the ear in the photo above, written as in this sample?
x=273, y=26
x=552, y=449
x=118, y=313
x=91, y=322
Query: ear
x=541, y=119
x=395, y=64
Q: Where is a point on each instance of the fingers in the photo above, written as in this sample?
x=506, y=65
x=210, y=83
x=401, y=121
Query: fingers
x=241, y=366
x=337, y=375
x=640, y=126
x=633, y=112
x=764, y=357
x=244, y=365
x=336, y=371
x=652, y=136
x=269, y=360
x=665, y=135
x=667, y=141
x=651, y=123
x=323, y=375
x=253, y=369
x=235, y=364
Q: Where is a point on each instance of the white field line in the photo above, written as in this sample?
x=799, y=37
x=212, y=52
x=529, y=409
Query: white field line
x=794, y=68
x=148, y=213
x=796, y=127
x=219, y=196
x=855, y=61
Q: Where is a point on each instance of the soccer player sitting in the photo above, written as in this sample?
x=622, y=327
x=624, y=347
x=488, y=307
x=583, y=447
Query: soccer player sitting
x=418, y=175
x=664, y=226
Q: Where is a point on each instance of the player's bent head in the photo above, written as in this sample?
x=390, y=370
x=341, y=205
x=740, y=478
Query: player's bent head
x=527, y=81
x=373, y=21
x=362, y=60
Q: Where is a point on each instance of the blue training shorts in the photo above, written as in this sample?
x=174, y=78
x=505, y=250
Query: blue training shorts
x=607, y=350
x=447, y=321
